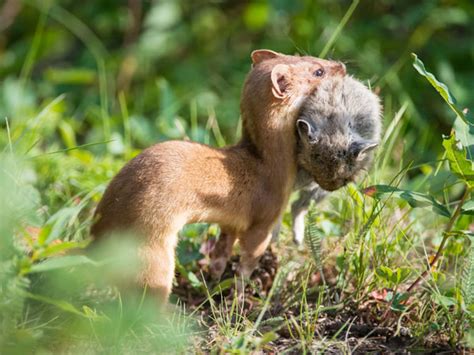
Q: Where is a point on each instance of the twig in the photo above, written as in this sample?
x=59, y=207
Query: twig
x=448, y=228
x=133, y=30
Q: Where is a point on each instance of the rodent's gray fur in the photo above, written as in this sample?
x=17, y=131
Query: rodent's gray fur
x=338, y=128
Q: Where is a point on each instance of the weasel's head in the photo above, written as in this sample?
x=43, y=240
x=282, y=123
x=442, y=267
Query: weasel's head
x=338, y=127
x=286, y=79
x=292, y=78
x=280, y=83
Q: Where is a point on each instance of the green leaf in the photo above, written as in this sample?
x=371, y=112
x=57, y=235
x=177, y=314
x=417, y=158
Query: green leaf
x=398, y=301
x=193, y=280
x=54, y=249
x=189, y=275
x=456, y=154
x=402, y=274
x=92, y=313
x=467, y=279
x=465, y=134
x=313, y=236
x=468, y=208
x=44, y=233
x=385, y=273
x=67, y=134
x=267, y=338
x=66, y=306
x=223, y=285
x=62, y=262
x=58, y=224
x=440, y=87
x=238, y=342
x=444, y=301
x=414, y=199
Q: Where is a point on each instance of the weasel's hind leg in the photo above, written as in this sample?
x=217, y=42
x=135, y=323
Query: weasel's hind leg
x=158, y=257
x=277, y=229
x=221, y=253
x=253, y=244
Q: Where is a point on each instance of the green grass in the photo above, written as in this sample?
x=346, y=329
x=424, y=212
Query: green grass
x=76, y=103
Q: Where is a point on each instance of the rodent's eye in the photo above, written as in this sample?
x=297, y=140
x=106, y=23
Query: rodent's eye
x=319, y=72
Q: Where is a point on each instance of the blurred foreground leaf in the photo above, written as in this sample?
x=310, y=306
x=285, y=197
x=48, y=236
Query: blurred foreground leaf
x=63, y=305
x=62, y=262
x=54, y=249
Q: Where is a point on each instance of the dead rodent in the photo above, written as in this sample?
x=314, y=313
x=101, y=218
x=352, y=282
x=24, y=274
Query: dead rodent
x=243, y=188
x=339, y=126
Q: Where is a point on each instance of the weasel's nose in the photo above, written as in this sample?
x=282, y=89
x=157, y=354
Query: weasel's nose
x=341, y=68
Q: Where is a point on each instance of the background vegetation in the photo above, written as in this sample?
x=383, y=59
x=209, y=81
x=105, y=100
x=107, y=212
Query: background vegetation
x=85, y=86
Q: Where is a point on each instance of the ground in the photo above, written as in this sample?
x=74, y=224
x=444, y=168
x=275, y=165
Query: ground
x=342, y=326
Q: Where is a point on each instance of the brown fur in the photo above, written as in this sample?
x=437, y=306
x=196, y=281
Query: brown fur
x=243, y=188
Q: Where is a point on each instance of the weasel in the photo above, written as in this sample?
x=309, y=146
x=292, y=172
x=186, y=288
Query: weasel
x=243, y=188
x=338, y=127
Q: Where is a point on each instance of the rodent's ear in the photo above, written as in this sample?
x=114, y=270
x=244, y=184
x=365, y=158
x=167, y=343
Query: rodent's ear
x=359, y=149
x=280, y=80
x=306, y=130
x=259, y=55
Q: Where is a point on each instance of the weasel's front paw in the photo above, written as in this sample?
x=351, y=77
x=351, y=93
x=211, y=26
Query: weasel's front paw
x=217, y=267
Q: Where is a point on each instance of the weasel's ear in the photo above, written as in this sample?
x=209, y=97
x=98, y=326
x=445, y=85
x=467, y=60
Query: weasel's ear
x=260, y=55
x=280, y=80
x=359, y=149
x=307, y=131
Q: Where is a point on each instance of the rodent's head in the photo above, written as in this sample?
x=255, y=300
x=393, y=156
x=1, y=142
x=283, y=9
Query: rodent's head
x=278, y=84
x=338, y=127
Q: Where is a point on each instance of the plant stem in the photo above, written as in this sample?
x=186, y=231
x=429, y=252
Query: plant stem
x=448, y=228
x=339, y=28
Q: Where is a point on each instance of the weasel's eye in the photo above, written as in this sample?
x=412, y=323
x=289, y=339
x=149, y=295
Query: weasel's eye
x=319, y=72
